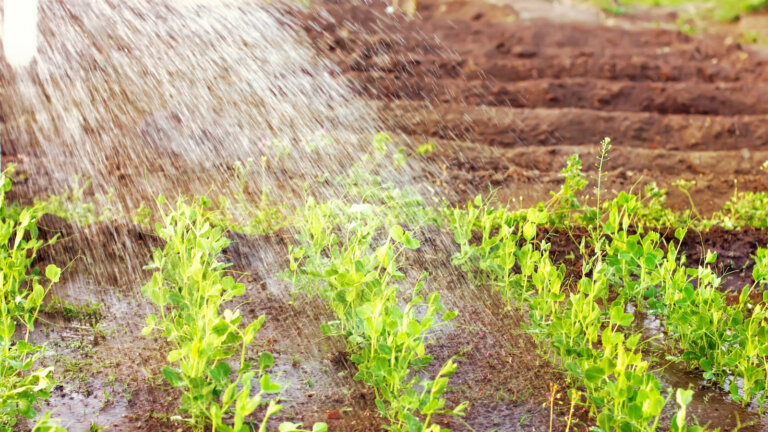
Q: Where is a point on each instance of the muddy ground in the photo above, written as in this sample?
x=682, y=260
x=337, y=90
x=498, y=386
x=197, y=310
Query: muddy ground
x=507, y=91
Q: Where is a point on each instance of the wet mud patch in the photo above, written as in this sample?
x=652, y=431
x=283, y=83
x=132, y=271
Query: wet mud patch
x=93, y=250
x=711, y=405
x=735, y=253
x=107, y=372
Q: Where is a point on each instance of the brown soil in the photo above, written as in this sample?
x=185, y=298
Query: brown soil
x=508, y=99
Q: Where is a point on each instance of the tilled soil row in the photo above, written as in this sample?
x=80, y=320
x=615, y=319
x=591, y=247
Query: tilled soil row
x=483, y=81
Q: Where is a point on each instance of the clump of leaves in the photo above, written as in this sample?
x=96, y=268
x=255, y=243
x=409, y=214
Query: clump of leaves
x=22, y=294
x=75, y=206
x=87, y=312
x=190, y=286
x=580, y=325
x=386, y=338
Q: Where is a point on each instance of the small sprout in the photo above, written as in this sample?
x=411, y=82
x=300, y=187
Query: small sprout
x=426, y=148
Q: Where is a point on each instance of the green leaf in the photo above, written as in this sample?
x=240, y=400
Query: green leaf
x=174, y=355
x=529, y=231
x=173, y=376
x=449, y=315
x=36, y=298
x=635, y=412
x=411, y=242
x=53, y=273
x=289, y=427
x=397, y=233
x=220, y=372
x=380, y=141
x=267, y=386
x=273, y=408
x=684, y=397
x=151, y=321
x=619, y=317
x=425, y=148
x=266, y=360
x=594, y=374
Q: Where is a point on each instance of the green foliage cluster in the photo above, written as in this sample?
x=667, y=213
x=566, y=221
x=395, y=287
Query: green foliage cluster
x=91, y=313
x=75, y=207
x=585, y=325
x=22, y=292
x=341, y=257
x=726, y=10
x=581, y=330
x=190, y=287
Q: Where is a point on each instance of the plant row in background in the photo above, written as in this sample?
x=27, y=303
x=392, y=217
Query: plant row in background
x=348, y=257
x=209, y=361
x=726, y=10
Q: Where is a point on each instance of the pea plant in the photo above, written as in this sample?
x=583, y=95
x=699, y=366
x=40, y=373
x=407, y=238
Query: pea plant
x=760, y=271
x=190, y=287
x=338, y=258
x=579, y=326
x=22, y=291
x=726, y=341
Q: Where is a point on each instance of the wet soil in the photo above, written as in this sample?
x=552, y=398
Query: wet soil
x=507, y=96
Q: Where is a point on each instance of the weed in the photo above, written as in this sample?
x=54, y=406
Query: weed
x=74, y=207
x=85, y=312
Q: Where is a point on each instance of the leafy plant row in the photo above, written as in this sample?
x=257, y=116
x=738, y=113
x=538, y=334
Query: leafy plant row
x=581, y=331
x=727, y=341
x=22, y=292
x=590, y=336
x=209, y=361
x=339, y=259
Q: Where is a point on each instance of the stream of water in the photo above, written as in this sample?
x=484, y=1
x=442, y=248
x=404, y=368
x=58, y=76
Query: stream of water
x=163, y=96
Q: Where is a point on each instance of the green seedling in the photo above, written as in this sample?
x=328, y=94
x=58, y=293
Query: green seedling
x=386, y=339
x=190, y=286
